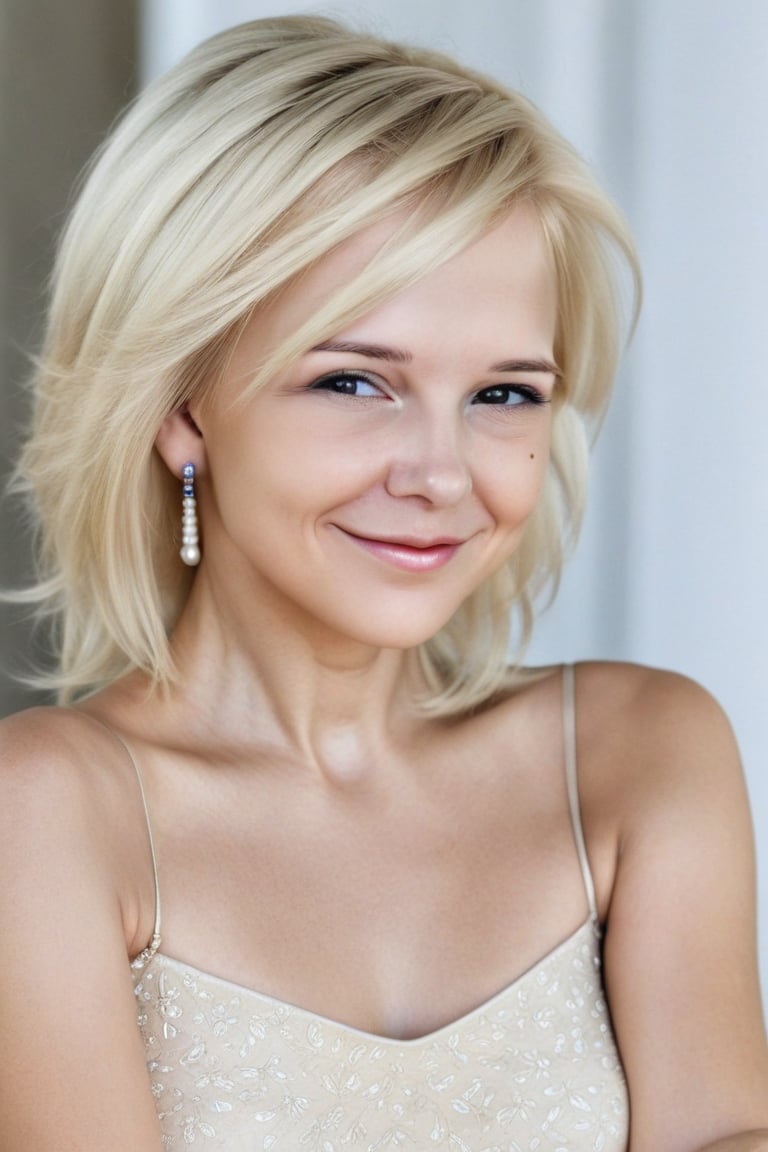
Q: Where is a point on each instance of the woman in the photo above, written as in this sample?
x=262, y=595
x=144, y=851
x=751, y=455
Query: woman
x=328, y=325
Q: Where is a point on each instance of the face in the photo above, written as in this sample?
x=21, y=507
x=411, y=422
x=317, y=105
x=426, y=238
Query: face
x=372, y=486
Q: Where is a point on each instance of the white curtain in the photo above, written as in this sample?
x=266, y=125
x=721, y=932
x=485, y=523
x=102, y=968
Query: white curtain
x=668, y=102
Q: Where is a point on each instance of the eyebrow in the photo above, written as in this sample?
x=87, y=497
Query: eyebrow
x=536, y=365
x=399, y=356
x=375, y=351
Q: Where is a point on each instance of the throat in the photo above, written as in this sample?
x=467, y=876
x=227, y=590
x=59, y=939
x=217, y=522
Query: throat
x=350, y=755
x=343, y=756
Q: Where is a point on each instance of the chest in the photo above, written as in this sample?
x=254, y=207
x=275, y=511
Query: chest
x=391, y=913
x=535, y=1064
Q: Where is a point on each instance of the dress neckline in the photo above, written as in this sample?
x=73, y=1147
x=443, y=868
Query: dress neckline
x=590, y=929
x=592, y=924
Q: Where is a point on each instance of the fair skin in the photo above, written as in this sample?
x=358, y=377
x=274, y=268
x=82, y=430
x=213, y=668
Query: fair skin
x=347, y=510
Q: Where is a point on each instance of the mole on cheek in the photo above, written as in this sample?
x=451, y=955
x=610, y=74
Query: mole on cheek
x=532, y=456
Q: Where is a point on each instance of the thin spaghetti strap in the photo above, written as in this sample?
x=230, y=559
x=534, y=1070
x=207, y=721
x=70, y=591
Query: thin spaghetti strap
x=147, y=953
x=572, y=780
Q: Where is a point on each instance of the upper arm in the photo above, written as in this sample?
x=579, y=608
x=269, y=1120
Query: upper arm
x=74, y=1073
x=680, y=948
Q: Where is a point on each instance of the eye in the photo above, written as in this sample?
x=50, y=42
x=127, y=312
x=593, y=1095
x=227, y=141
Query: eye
x=509, y=396
x=348, y=383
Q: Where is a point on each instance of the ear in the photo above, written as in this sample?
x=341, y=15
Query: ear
x=179, y=441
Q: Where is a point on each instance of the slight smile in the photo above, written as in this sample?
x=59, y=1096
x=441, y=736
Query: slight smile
x=409, y=554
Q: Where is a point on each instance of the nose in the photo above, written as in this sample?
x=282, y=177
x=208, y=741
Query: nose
x=430, y=461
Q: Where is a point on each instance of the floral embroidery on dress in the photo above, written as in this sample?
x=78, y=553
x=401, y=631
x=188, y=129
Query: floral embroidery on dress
x=535, y=1069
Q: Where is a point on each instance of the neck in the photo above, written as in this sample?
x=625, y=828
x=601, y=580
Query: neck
x=260, y=677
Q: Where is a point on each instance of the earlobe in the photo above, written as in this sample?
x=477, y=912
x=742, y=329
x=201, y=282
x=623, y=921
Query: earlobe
x=179, y=441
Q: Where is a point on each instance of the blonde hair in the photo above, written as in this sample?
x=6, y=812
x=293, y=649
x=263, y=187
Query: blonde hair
x=263, y=150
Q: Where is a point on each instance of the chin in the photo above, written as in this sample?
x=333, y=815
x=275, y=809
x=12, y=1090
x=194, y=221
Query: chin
x=400, y=632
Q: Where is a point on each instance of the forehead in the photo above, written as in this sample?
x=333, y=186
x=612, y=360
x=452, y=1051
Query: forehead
x=508, y=271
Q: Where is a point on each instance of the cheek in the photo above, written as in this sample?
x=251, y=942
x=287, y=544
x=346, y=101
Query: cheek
x=510, y=479
x=521, y=497
x=536, y=468
x=293, y=470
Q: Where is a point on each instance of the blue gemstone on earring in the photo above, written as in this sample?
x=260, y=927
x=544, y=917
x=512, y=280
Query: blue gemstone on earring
x=188, y=471
x=188, y=490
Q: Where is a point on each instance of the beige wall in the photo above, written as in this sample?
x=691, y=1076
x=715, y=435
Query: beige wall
x=66, y=67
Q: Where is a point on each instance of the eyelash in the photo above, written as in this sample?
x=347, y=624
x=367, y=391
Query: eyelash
x=324, y=383
x=527, y=393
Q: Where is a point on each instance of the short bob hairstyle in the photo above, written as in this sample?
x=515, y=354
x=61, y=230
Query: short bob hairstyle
x=264, y=149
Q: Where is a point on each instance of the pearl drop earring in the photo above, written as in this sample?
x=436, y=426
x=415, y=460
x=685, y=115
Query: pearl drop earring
x=190, y=540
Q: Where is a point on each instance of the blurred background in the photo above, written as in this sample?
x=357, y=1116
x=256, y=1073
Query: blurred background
x=669, y=103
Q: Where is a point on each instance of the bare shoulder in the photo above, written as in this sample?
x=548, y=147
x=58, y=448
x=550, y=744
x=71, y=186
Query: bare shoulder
x=638, y=728
x=635, y=694
x=659, y=768
x=630, y=714
x=71, y=809
x=653, y=731
x=657, y=751
x=56, y=756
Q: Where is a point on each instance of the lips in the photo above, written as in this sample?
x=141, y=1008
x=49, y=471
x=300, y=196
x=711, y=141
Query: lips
x=409, y=553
